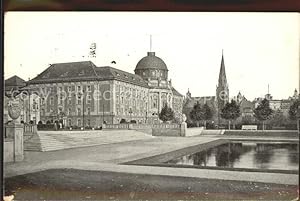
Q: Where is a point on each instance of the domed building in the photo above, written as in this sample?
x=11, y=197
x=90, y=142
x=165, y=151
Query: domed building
x=70, y=93
x=161, y=92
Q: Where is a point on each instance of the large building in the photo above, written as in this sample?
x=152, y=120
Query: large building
x=80, y=93
x=216, y=103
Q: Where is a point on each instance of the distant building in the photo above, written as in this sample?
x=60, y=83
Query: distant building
x=279, y=105
x=80, y=93
x=216, y=103
x=246, y=108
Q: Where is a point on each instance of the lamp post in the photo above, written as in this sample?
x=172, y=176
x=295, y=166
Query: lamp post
x=103, y=112
x=130, y=112
x=146, y=117
x=81, y=95
x=298, y=119
x=29, y=107
x=83, y=101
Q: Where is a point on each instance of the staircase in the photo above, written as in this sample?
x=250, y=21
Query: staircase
x=57, y=140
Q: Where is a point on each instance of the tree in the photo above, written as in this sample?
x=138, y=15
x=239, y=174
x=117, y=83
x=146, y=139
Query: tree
x=263, y=112
x=166, y=114
x=207, y=113
x=293, y=110
x=278, y=119
x=231, y=112
x=197, y=113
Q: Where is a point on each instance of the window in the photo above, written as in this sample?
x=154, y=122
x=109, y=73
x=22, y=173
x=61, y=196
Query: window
x=43, y=112
x=70, y=111
x=51, y=101
x=88, y=100
x=70, y=122
x=78, y=122
x=79, y=100
x=89, y=110
x=70, y=101
x=60, y=99
x=89, y=88
x=89, y=122
x=69, y=88
x=34, y=105
x=78, y=111
x=78, y=88
x=122, y=100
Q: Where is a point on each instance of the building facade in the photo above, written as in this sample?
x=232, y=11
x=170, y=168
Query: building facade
x=80, y=93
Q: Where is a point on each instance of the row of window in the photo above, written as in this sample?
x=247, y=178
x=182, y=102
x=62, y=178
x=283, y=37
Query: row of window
x=130, y=111
x=69, y=88
x=60, y=100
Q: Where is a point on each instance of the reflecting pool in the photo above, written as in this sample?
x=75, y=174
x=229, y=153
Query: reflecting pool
x=253, y=155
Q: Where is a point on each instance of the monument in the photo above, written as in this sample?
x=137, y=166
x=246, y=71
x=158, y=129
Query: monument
x=14, y=130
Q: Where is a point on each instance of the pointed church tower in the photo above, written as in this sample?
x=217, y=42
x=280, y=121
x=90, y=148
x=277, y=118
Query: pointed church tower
x=222, y=92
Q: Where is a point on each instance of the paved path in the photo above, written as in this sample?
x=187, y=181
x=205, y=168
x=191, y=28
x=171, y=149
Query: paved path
x=107, y=158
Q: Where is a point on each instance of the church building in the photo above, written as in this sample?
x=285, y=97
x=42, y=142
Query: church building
x=216, y=103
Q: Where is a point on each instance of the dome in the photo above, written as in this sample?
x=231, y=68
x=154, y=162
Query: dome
x=151, y=62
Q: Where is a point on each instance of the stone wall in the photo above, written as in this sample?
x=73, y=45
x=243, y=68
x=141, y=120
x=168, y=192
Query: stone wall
x=154, y=129
x=8, y=150
x=14, y=145
x=172, y=130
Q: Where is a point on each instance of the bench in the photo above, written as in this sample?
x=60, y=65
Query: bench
x=249, y=127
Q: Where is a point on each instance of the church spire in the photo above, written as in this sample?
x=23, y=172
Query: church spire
x=222, y=74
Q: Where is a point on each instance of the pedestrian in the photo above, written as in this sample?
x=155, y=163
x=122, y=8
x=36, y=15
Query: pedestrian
x=55, y=126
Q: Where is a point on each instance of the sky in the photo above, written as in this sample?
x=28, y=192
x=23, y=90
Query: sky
x=260, y=49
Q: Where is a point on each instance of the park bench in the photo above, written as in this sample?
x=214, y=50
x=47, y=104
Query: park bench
x=249, y=127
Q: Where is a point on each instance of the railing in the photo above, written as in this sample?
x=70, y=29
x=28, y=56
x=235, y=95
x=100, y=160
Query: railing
x=139, y=126
x=166, y=126
x=115, y=126
x=30, y=128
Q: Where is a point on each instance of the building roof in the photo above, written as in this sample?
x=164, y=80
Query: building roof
x=209, y=100
x=151, y=62
x=66, y=72
x=108, y=72
x=84, y=71
x=244, y=104
x=15, y=81
x=175, y=92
